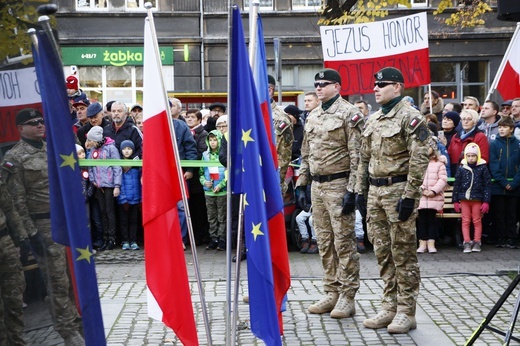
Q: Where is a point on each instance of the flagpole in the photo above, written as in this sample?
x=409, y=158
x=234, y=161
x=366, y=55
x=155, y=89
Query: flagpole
x=430, y=93
x=493, y=86
x=180, y=175
x=253, y=30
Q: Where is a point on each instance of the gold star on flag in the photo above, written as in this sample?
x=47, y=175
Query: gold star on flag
x=245, y=200
x=256, y=230
x=68, y=160
x=85, y=254
x=246, y=137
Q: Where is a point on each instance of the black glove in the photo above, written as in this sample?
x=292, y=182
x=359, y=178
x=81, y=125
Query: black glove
x=349, y=203
x=37, y=245
x=361, y=205
x=25, y=251
x=405, y=208
x=302, y=197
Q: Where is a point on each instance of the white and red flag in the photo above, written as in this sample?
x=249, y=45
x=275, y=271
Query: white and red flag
x=358, y=51
x=169, y=298
x=507, y=80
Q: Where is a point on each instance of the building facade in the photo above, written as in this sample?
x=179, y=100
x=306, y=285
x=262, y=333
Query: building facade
x=102, y=43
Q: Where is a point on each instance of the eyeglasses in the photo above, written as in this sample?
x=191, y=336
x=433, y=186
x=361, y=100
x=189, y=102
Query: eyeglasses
x=381, y=85
x=322, y=84
x=217, y=110
x=35, y=122
x=466, y=119
x=221, y=126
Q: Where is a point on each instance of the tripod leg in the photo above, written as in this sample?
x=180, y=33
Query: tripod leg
x=494, y=310
x=514, y=315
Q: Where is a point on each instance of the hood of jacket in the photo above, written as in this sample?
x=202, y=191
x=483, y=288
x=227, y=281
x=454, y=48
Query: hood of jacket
x=215, y=133
x=471, y=147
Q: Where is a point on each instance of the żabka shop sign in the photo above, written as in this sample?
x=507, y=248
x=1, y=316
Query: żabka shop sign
x=358, y=51
x=111, y=56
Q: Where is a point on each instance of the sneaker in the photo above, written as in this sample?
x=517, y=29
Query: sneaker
x=305, y=245
x=511, y=244
x=381, y=320
x=313, y=248
x=134, y=246
x=500, y=243
x=401, y=324
x=326, y=304
x=111, y=245
x=476, y=247
x=221, y=245
x=467, y=247
x=213, y=245
x=126, y=246
x=360, y=246
x=345, y=307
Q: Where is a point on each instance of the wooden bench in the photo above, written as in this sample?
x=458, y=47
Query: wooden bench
x=448, y=212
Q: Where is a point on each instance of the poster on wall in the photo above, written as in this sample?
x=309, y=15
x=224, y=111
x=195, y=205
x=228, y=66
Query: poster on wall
x=358, y=51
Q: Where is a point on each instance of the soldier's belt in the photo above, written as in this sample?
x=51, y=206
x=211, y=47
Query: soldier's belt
x=329, y=177
x=4, y=232
x=388, y=180
x=41, y=216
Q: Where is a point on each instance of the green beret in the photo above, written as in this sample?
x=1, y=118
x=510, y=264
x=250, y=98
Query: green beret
x=27, y=114
x=328, y=74
x=271, y=80
x=389, y=74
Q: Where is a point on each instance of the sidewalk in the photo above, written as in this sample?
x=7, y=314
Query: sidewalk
x=451, y=305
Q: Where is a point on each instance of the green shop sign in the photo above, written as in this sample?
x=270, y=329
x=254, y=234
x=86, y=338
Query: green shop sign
x=115, y=56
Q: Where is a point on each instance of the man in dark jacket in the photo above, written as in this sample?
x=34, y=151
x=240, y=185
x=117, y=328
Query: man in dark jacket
x=123, y=128
x=294, y=113
x=95, y=118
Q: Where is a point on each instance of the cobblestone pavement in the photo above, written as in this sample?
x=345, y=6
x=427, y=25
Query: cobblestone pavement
x=457, y=292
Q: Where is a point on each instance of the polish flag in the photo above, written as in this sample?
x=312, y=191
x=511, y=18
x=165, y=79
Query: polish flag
x=509, y=80
x=214, y=173
x=169, y=298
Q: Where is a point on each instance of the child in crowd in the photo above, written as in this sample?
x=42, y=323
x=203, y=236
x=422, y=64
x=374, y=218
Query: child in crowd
x=504, y=161
x=432, y=200
x=107, y=179
x=129, y=199
x=308, y=245
x=471, y=195
x=88, y=188
x=214, y=182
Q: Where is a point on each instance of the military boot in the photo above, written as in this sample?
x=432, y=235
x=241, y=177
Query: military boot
x=305, y=245
x=381, y=320
x=401, y=324
x=74, y=339
x=326, y=304
x=345, y=307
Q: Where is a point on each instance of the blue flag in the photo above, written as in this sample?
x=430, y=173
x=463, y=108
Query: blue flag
x=69, y=220
x=255, y=176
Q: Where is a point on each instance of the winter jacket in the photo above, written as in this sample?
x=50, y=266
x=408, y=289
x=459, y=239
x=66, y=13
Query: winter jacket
x=83, y=130
x=87, y=186
x=490, y=130
x=130, y=187
x=457, y=146
x=127, y=131
x=200, y=138
x=105, y=176
x=435, y=179
x=504, y=165
x=206, y=172
x=472, y=182
x=185, y=142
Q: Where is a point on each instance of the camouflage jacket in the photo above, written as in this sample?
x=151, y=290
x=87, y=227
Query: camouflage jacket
x=9, y=217
x=394, y=144
x=283, y=131
x=331, y=142
x=24, y=170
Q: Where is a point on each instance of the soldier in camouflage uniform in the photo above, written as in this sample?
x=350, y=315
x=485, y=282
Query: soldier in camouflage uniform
x=330, y=153
x=393, y=159
x=24, y=170
x=283, y=131
x=12, y=281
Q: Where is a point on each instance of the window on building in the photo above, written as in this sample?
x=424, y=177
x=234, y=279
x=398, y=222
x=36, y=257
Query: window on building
x=139, y=4
x=91, y=4
x=419, y=3
x=310, y=5
x=264, y=5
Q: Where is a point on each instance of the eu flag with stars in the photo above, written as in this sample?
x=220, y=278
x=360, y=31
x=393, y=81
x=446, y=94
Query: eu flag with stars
x=255, y=176
x=69, y=220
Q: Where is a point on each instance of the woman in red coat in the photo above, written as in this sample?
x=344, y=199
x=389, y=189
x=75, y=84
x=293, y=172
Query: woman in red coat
x=469, y=133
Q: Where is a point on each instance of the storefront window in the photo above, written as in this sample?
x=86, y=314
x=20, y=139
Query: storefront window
x=454, y=80
x=91, y=4
x=119, y=77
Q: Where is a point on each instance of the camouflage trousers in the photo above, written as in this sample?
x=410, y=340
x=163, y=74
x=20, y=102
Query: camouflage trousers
x=217, y=207
x=336, y=238
x=395, y=244
x=12, y=286
x=54, y=266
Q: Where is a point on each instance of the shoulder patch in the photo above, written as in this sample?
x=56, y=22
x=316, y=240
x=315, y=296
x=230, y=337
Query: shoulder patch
x=8, y=166
x=423, y=133
x=414, y=123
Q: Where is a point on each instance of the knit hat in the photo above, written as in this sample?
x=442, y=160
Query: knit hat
x=409, y=99
x=433, y=128
x=454, y=116
x=221, y=119
x=72, y=83
x=95, y=134
x=472, y=148
x=127, y=144
x=79, y=147
x=292, y=110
